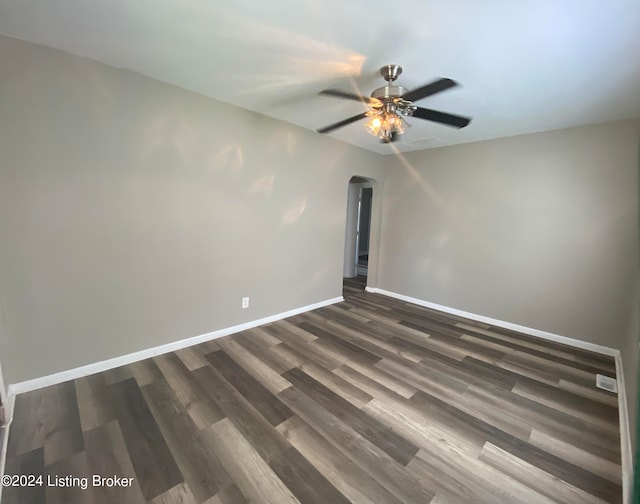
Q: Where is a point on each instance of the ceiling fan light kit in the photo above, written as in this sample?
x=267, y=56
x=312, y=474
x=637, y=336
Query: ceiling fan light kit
x=386, y=125
x=389, y=103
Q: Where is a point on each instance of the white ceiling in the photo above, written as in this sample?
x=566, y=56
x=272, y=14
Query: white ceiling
x=523, y=66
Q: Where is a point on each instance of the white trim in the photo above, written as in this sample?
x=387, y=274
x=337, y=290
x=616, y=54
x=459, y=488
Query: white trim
x=373, y=290
x=7, y=404
x=3, y=391
x=11, y=400
x=5, y=437
x=585, y=345
x=98, y=367
x=625, y=435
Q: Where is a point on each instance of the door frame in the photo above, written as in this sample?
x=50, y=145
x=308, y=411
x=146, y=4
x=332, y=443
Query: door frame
x=354, y=183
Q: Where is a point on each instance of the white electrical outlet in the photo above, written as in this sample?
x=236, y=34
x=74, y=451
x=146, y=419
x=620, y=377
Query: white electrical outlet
x=245, y=303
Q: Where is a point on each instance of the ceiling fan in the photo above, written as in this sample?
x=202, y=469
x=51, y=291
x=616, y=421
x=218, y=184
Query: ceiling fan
x=389, y=103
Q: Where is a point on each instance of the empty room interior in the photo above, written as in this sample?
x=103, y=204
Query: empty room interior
x=319, y=252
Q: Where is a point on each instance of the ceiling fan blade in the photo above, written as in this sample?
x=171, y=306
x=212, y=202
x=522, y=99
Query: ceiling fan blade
x=342, y=123
x=336, y=93
x=441, y=117
x=429, y=89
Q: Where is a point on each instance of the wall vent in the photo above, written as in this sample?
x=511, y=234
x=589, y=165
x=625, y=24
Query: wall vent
x=606, y=383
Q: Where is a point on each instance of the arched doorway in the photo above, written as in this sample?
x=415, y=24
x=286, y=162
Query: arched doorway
x=357, y=249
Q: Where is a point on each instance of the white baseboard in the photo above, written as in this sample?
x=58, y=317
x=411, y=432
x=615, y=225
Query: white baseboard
x=3, y=390
x=585, y=345
x=623, y=413
x=8, y=410
x=98, y=367
x=5, y=437
x=626, y=449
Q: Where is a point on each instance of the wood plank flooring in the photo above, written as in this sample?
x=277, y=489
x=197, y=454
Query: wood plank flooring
x=354, y=285
x=372, y=400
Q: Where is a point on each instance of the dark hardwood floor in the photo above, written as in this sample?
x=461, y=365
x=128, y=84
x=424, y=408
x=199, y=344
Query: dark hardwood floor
x=354, y=285
x=371, y=400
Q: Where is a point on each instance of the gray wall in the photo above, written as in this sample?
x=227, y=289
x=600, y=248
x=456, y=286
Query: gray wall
x=134, y=213
x=539, y=230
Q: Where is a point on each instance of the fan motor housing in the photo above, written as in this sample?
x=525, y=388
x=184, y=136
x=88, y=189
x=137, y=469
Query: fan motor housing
x=388, y=92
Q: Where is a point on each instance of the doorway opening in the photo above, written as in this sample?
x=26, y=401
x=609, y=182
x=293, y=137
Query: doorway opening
x=358, y=235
